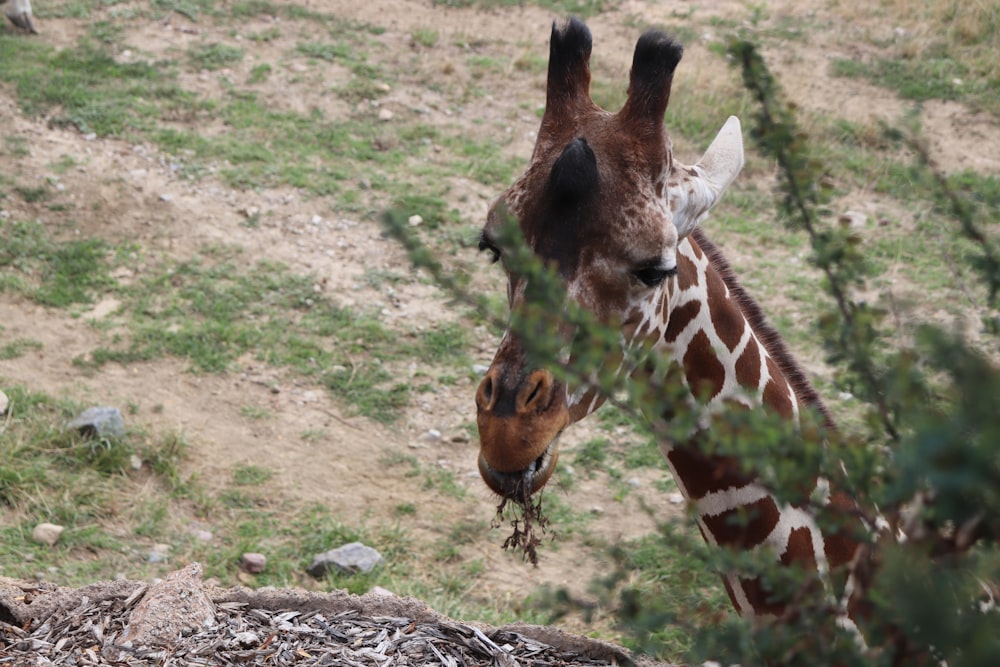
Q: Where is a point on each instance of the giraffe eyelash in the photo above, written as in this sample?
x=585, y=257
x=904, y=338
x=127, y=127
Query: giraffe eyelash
x=653, y=276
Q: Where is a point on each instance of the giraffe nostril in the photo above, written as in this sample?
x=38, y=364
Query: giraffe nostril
x=484, y=397
x=536, y=391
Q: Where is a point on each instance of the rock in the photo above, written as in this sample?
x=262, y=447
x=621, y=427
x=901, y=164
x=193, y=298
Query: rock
x=415, y=220
x=253, y=563
x=159, y=553
x=350, y=559
x=853, y=219
x=4, y=403
x=382, y=592
x=246, y=638
x=170, y=609
x=102, y=422
x=47, y=533
x=675, y=498
x=385, y=114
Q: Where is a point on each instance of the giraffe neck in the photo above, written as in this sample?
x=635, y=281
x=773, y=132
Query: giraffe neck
x=729, y=356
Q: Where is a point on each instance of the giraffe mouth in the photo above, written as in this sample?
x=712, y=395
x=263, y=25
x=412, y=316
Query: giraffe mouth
x=520, y=485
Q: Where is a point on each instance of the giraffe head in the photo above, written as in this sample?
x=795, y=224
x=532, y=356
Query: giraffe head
x=604, y=204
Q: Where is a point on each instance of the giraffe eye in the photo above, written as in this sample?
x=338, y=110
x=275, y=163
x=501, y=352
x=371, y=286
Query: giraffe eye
x=653, y=276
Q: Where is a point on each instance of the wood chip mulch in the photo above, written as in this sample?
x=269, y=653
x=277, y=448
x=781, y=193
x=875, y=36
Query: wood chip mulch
x=247, y=633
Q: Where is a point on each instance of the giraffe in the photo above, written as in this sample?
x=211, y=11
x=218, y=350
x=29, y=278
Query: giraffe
x=604, y=202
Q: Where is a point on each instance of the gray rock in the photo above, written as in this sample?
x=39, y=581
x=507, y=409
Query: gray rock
x=253, y=563
x=159, y=553
x=46, y=533
x=102, y=422
x=350, y=559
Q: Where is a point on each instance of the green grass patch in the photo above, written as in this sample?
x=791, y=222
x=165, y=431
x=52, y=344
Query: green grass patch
x=214, y=56
x=52, y=273
x=18, y=348
x=92, y=91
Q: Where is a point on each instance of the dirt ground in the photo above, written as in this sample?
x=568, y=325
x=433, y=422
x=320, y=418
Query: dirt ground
x=124, y=191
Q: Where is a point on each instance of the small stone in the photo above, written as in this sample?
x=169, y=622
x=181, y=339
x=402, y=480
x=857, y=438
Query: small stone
x=166, y=197
x=382, y=592
x=433, y=434
x=675, y=498
x=246, y=638
x=253, y=563
x=102, y=422
x=158, y=554
x=597, y=510
x=480, y=369
x=853, y=219
x=415, y=220
x=4, y=403
x=384, y=114
x=350, y=559
x=47, y=533
x=135, y=462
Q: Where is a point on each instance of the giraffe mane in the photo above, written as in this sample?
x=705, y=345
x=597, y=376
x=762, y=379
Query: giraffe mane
x=768, y=335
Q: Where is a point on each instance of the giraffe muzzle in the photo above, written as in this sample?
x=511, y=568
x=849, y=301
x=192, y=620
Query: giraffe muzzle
x=520, y=485
x=520, y=419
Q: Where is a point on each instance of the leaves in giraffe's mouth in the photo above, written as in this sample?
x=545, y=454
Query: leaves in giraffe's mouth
x=521, y=492
x=527, y=521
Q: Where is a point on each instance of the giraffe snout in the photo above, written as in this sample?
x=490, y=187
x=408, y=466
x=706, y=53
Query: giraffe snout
x=519, y=418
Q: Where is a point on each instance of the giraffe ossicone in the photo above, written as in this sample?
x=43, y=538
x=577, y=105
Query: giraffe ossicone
x=604, y=203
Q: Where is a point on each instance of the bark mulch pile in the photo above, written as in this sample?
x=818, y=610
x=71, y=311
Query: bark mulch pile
x=181, y=621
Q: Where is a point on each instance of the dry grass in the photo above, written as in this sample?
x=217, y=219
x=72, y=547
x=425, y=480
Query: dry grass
x=967, y=31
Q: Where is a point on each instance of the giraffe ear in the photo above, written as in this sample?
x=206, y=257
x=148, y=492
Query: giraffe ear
x=697, y=189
